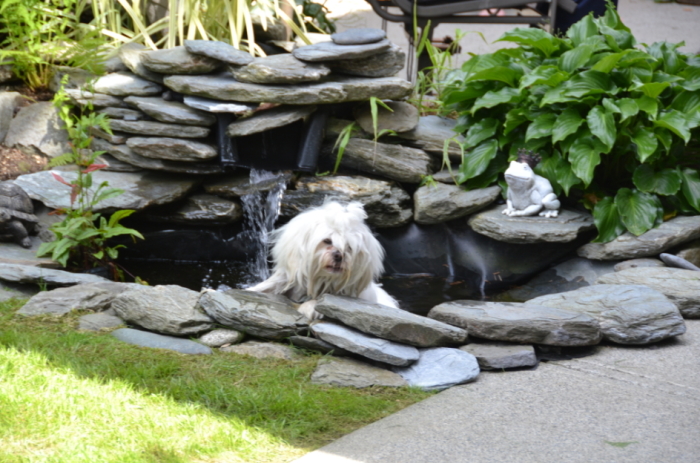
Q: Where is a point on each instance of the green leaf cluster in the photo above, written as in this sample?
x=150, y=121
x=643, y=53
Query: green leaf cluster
x=610, y=119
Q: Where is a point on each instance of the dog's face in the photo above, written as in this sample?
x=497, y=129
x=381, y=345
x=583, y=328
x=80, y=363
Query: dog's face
x=332, y=259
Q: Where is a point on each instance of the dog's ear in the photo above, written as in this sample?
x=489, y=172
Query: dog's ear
x=356, y=209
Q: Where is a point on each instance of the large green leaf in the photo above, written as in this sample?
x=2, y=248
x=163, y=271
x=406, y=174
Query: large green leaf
x=607, y=220
x=477, y=160
x=618, y=40
x=490, y=175
x=500, y=73
x=575, y=58
x=676, y=122
x=532, y=37
x=602, y=125
x=554, y=167
x=567, y=123
x=480, y=131
x=609, y=62
x=666, y=53
x=691, y=187
x=689, y=104
x=646, y=142
x=590, y=83
x=651, y=89
x=582, y=30
x=665, y=182
x=628, y=108
x=491, y=99
x=637, y=209
x=648, y=105
x=692, y=79
x=665, y=137
x=464, y=92
x=584, y=156
x=543, y=75
x=541, y=126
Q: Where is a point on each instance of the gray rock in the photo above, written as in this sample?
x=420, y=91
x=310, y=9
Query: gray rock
x=441, y=202
x=317, y=345
x=500, y=356
x=6, y=73
x=628, y=314
x=678, y=262
x=9, y=290
x=691, y=252
x=115, y=165
x=522, y=323
x=11, y=253
x=99, y=321
x=48, y=276
x=220, y=51
x=173, y=149
x=402, y=117
x=358, y=36
x=158, y=341
x=201, y=209
x=221, y=337
x=96, y=297
x=262, y=350
x=681, y=286
x=171, y=111
x=395, y=162
x=114, y=64
x=263, y=315
x=159, y=129
x=389, y=323
x=351, y=373
x=235, y=186
x=370, y=347
x=384, y=64
x=430, y=135
x=127, y=155
x=564, y=228
x=124, y=84
x=634, y=263
x=141, y=190
x=8, y=102
x=386, y=204
x=335, y=90
x=440, y=368
x=268, y=119
x=167, y=309
x=215, y=106
x=657, y=240
x=329, y=51
x=97, y=100
x=122, y=113
x=445, y=176
x=279, y=69
x=178, y=60
x=77, y=77
x=115, y=137
x=38, y=126
x=131, y=54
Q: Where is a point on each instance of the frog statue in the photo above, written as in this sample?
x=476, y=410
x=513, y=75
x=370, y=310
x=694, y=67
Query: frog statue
x=529, y=193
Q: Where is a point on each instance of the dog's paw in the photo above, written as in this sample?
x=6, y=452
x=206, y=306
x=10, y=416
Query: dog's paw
x=308, y=309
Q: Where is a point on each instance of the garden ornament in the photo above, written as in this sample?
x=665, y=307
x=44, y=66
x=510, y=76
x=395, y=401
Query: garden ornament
x=17, y=217
x=529, y=193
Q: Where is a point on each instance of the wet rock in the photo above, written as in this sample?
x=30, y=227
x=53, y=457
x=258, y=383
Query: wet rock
x=202, y=210
x=317, y=345
x=178, y=60
x=8, y=102
x=634, y=263
x=124, y=84
x=678, y=262
x=215, y=106
x=159, y=129
x=500, y=356
x=329, y=51
x=263, y=315
x=279, y=69
x=97, y=100
x=235, y=186
x=351, y=373
x=440, y=368
x=173, y=149
x=564, y=228
x=441, y=202
x=384, y=64
x=131, y=54
x=389, y=323
x=220, y=51
x=141, y=190
x=401, y=118
x=45, y=276
x=96, y=297
x=681, y=286
x=221, y=337
x=262, y=350
x=38, y=126
x=676, y=231
x=99, y=321
x=370, y=347
x=358, y=36
x=268, y=119
x=171, y=111
x=628, y=314
x=157, y=341
x=430, y=135
x=167, y=309
x=529, y=323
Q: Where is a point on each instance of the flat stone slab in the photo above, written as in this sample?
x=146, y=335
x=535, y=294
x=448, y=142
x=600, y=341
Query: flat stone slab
x=237, y=185
x=258, y=314
x=221, y=337
x=279, y=69
x=172, y=149
x=430, y=135
x=178, y=60
x=9, y=290
x=13, y=253
x=389, y=323
x=159, y=129
x=641, y=262
x=352, y=373
x=219, y=51
x=141, y=190
x=317, y=345
x=564, y=228
x=440, y=368
x=99, y=321
x=678, y=262
x=172, y=112
x=522, y=323
x=442, y=202
x=401, y=117
x=215, y=106
x=158, y=341
x=357, y=36
x=384, y=64
x=97, y=100
x=359, y=343
x=262, y=350
x=268, y=119
x=657, y=240
x=132, y=55
x=330, y=51
x=50, y=277
x=628, y=314
x=202, y=209
x=124, y=84
x=96, y=297
x=681, y=286
x=501, y=356
x=38, y=126
x=337, y=89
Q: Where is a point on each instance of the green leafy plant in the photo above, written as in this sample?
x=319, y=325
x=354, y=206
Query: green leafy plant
x=82, y=236
x=610, y=120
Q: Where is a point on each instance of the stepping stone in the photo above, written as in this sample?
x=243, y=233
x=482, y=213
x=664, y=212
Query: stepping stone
x=440, y=368
x=263, y=350
x=219, y=51
x=358, y=36
x=220, y=337
x=329, y=51
x=99, y=321
x=352, y=373
x=158, y=341
x=500, y=356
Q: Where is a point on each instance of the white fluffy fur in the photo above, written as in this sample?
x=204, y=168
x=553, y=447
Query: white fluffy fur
x=326, y=250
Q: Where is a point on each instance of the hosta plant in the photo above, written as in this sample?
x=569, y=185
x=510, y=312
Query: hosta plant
x=610, y=120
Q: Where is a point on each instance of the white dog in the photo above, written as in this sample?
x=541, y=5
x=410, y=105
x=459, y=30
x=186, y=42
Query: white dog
x=326, y=250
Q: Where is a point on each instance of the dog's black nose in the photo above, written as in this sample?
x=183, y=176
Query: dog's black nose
x=337, y=256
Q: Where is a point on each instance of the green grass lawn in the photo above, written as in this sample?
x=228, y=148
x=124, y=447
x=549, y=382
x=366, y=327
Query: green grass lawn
x=69, y=396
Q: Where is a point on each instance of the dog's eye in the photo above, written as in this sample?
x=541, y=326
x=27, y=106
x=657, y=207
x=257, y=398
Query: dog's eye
x=327, y=241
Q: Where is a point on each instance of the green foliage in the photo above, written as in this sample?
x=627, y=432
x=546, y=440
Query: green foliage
x=610, y=120
x=315, y=16
x=82, y=236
